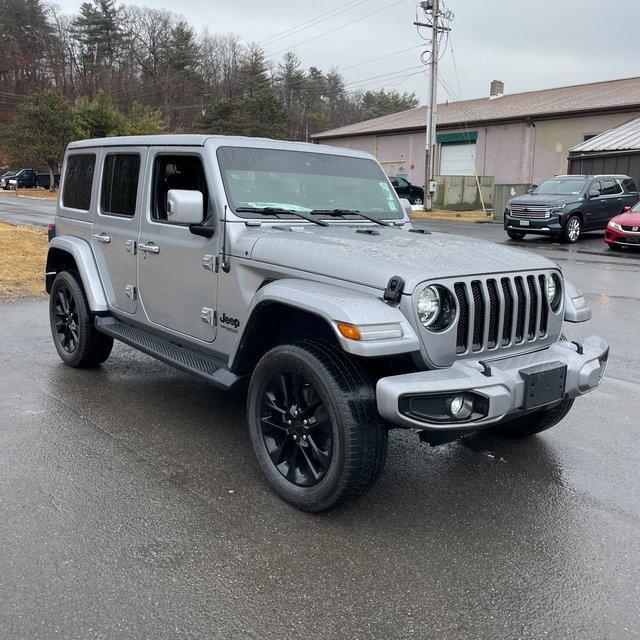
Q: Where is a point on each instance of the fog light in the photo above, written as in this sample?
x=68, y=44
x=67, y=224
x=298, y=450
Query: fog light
x=460, y=407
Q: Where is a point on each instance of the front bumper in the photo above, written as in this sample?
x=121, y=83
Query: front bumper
x=622, y=238
x=551, y=225
x=500, y=384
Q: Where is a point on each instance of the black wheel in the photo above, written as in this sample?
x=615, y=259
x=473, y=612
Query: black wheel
x=572, y=230
x=515, y=235
x=614, y=247
x=78, y=342
x=532, y=423
x=314, y=425
x=417, y=200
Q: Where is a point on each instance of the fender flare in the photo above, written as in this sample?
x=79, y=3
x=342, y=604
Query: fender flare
x=335, y=304
x=87, y=268
x=576, y=308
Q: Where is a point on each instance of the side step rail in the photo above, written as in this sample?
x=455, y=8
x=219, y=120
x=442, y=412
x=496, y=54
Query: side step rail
x=202, y=366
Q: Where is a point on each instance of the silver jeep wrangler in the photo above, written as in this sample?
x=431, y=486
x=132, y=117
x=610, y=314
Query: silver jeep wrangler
x=295, y=268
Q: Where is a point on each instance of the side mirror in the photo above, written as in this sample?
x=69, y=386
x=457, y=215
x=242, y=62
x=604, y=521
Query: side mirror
x=185, y=207
x=406, y=206
x=594, y=193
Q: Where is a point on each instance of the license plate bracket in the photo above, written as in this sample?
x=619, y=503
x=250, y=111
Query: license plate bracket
x=543, y=384
x=524, y=223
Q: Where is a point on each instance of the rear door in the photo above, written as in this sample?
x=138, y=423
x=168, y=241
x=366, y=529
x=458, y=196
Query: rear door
x=611, y=195
x=116, y=223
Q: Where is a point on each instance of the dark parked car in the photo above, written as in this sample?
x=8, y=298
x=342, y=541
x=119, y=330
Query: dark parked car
x=565, y=206
x=404, y=189
x=25, y=177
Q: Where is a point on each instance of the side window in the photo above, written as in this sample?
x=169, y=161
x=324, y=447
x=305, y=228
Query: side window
x=76, y=191
x=629, y=185
x=394, y=181
x=596, y=186
x=402, y=182
x=609, y=188
x=120, y=184
x=176, y=172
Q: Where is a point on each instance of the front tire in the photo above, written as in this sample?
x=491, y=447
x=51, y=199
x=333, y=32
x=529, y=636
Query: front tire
x=77, y=341
x=572, y=230
x=532, y=423
x=314, y=425
x=515, y=235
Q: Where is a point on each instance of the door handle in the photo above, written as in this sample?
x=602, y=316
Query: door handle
x=149, y=247
x=102, y=237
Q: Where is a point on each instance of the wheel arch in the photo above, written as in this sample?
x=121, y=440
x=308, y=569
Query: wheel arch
x=65, y=253
x=291, y=309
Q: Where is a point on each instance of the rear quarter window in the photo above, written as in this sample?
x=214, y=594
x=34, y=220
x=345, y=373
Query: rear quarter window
x=629, y=185
x=78, y=180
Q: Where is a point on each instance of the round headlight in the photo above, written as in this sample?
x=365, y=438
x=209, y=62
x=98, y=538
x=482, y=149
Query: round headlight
x=428, y=305
x=551, y=289
x=554, y=291
x=436, y=307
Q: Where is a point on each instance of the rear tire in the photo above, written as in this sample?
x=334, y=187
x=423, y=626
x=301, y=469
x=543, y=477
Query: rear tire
x=515, y=235
x=77, y=341
x=417, y=200
x=532, y=423
x=572, y=230
x=341, y=451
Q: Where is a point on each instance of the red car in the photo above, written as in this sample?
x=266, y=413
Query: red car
x=624, y=230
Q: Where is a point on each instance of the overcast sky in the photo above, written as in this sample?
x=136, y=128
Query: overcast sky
x=527, y=44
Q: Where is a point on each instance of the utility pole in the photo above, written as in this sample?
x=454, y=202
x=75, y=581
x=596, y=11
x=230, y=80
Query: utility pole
x=432, y=11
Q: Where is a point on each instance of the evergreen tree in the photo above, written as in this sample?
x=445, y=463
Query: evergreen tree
x=39, y=132
x=143, y=120
x=98, y=118
x=253, y=76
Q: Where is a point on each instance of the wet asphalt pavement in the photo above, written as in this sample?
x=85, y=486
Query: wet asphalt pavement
x=131, y=506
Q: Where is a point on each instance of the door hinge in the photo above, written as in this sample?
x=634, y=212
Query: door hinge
x=131, y=247
x=131, y=292
x=211, y=263
x=209, y=316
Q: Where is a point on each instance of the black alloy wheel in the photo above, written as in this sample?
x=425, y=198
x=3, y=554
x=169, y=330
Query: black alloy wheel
x=314, y=425
x=296, y=429
x=77, y=341
x=65, y=314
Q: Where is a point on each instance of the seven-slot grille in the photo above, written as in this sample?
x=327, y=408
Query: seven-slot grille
x=500, y=312
x=530, y=211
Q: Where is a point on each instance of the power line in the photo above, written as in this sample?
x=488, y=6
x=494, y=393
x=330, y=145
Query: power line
x=312, y=22
x=342, y=26
x=388, y=55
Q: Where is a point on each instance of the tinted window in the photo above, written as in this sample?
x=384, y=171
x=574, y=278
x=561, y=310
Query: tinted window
x=629, y=185
x=78, y=178
x=610, y=187
x=402, y=183
x=120, y=184
x=596, y=186
x=176, y=172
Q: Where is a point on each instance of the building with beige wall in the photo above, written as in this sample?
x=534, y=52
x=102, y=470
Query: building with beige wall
x=513, y=138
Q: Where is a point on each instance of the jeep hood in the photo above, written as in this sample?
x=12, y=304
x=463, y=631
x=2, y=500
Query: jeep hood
x=341, y=252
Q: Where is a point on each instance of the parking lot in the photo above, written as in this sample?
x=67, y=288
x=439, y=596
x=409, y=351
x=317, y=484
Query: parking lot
x=131, y=505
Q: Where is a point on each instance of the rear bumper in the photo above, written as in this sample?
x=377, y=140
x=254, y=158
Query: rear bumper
x=502, y=389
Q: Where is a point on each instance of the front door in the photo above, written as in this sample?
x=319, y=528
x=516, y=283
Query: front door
x=594, y=207
x=176, y=269
x=115, y=226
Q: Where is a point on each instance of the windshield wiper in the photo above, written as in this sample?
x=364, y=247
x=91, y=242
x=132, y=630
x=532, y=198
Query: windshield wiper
x=267, y=211
x=334, y=213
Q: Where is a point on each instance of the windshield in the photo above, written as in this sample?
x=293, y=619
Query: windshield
x=306, y=182
x=561, y=187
